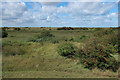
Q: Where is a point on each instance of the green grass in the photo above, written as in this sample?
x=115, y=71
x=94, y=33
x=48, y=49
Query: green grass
x=41, y=60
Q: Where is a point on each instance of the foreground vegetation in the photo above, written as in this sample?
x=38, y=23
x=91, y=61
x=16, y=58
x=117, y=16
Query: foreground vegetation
x=60, y=52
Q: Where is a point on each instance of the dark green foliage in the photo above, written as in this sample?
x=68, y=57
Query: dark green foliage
x=71, y=39
x=66, y=49
x=98, y=55
x=4, y=34
x=45, y=34
x=65, y=28
x=17, y=29
x=5, y=28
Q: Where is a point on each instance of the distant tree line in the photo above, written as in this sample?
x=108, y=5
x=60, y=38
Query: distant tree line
x=17, y=29
x=83, y=28
x=75, y=28
x=65, y=28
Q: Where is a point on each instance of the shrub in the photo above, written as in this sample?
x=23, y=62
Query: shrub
x=5, y=28
x=17, y=29
x=44, y=36
x=98, y=55
x=4, y=34
x=71, y=39
x=66, y=49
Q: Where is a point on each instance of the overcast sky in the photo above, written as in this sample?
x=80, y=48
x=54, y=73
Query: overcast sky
x=59, y=14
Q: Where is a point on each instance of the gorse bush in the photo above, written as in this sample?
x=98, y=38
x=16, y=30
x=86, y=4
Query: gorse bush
x=98, y=55
x=66, y=49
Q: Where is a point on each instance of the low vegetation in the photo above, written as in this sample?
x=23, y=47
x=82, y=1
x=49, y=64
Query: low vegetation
x=66, y=50
x=60, y=52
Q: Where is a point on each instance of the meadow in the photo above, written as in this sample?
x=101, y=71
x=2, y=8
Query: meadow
x=60, y=53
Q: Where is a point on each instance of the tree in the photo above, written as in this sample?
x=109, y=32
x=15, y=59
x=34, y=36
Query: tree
x=17, y=29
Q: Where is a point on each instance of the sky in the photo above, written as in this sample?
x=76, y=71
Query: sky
x=59, y=14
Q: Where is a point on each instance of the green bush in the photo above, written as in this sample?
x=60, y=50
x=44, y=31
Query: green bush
x=66, y=49
x=4, y=34
x=17, y=29
x=98, y=55
x=44, y=36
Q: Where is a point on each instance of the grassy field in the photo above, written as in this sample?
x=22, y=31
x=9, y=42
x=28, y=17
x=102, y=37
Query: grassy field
x=41, y=59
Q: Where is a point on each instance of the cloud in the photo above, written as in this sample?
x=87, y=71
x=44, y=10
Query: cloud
x=49, y=3
x=90, y=14
x=48, y=14
x=13, y=10
x=89, y=8
x=60, y=0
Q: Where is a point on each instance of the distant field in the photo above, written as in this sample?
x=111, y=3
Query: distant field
x=40, y=58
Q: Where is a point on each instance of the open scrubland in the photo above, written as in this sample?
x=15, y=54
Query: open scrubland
x=60, y=52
